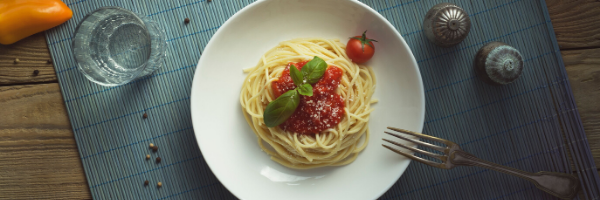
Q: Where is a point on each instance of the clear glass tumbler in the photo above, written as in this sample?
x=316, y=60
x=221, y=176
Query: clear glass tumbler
x=113, y=46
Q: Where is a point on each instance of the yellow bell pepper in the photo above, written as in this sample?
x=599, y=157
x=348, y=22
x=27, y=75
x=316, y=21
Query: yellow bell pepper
x=22, y=18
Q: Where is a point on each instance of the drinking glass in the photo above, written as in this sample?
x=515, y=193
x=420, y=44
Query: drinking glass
x=113, y=46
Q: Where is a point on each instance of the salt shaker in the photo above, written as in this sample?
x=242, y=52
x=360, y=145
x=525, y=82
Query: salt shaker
x=446, y=24
x=498, y=63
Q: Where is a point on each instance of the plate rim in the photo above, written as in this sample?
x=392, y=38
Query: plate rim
x=413, y=60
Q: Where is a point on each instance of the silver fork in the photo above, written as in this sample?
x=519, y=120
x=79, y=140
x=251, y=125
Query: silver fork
x=565, y=186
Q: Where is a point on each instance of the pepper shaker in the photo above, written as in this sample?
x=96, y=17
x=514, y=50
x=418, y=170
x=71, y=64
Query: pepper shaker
x=446, y=24
x=498, y=63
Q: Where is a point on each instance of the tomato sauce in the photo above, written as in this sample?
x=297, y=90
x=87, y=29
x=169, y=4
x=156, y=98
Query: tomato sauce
x=321, y=111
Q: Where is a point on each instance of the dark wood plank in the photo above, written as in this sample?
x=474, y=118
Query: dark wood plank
x=583, y=69
x=575, y=23
x=38, y=154
x=33, y=55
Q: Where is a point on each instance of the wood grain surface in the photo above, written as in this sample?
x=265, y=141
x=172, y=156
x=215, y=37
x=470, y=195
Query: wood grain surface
x=38, y=154
x=575, y=23
x=33, y=54
x=583, y=69
x=39, y=157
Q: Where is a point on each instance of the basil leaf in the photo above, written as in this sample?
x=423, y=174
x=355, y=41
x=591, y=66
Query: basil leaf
x=297, y=77
x=305, y=90
x=281, y=108
x=314, y=69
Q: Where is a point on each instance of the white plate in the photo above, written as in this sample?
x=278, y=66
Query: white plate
x=227, y=142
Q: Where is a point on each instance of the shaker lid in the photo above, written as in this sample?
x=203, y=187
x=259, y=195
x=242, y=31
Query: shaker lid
x=448, y=24
x=498, y=63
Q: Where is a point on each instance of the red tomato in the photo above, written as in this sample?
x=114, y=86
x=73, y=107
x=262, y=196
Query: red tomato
x=360, y=49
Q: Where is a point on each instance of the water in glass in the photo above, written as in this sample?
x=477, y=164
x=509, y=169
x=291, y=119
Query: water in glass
x=113, y=46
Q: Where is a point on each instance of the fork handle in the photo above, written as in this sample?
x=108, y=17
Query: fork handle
x=561, y=185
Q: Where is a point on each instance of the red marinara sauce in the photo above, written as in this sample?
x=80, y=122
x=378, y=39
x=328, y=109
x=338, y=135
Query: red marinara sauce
x=321, y=111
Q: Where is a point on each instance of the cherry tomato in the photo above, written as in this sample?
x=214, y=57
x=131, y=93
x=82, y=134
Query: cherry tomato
x=360, y=49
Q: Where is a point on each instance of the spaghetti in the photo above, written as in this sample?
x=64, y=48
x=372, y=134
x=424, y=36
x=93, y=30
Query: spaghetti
x=334, y=146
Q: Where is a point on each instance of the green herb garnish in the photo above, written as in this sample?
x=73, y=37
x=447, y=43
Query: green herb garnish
x=284, y=106
x=305, y=90
x=313, y=70
x=296, y=75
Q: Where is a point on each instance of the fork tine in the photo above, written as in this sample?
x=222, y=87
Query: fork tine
x=449, y=143
x=421, y=160
x=436, y=147
x=416, y=150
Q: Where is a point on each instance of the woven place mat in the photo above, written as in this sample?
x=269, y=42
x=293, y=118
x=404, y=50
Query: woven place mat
x=532, y=124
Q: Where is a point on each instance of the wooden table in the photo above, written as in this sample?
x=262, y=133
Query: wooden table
x=39, y=157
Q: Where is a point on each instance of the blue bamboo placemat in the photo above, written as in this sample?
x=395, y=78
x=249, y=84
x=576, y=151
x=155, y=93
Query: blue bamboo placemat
x=532, y=124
